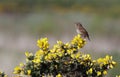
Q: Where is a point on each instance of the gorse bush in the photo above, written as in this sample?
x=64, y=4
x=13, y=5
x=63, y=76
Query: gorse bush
x=64, y=59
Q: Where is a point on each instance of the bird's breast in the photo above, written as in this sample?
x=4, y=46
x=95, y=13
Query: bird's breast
x=78, y=31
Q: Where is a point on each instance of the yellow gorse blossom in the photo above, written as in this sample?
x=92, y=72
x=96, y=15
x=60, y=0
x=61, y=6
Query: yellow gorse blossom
x=43, y=43
x=39, y=53
x=60, y=54
x=59, y=75
x=106, y=61
x=28, y=54
x=104, y=72
x=22, y=65
x=99, y=73
x=29, y=72
x=86, y=57
x=78, y=41
x=90, y=71
x=78, y=55
x=36, y=60
x=60, y=43
x=17, y=70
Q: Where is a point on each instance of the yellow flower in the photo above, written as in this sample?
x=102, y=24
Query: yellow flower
x=17, y=70
x=22, y=65
x=108, y=57
x=39, y=53
x=114, y=63
x=46, y=57
x=99, y=60
x=27, y=54
x=94, y=61
x=73, y=56
x=111, y=66
x=56, y=46
x=78, y=41
x=49, y=57
x=28, y=72
x=53, y=50
x=77, y=55
x=67, y=45
x=104, y=72
x=60, y=54
x=90, y=71
x=43, y=43
x=54, y=55
x=60, y=43
x=59, y=75
x=69, y=51
x=37, y=60
x=98, y=73
x=86, y=57
x=60, y=50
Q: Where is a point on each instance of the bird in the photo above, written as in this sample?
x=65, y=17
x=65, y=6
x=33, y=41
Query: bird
x=81, y=30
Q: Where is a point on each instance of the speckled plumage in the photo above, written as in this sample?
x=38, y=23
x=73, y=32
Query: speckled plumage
x=81, y=30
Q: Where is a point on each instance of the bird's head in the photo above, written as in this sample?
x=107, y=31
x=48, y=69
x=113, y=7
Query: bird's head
x=78, y=24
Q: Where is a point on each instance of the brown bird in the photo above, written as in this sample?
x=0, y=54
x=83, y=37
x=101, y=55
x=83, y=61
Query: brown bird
x=81, y=30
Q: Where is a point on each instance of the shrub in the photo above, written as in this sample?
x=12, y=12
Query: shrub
x=64, y=59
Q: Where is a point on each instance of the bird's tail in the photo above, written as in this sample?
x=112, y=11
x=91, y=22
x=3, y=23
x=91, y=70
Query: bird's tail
x=88, y=38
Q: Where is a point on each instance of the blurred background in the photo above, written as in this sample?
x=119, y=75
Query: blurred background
x=23, y=22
